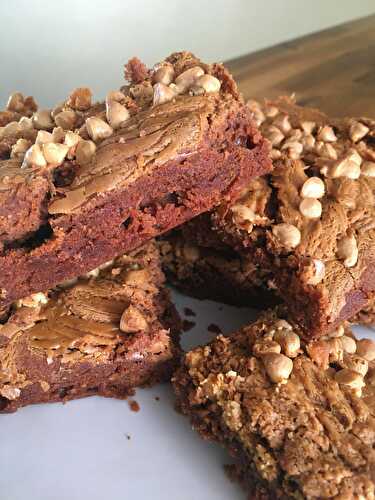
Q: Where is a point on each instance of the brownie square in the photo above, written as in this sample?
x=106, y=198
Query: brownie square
x=102, y=334
x=298, y=417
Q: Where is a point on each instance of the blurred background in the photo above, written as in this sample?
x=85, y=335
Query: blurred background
x=47, y=48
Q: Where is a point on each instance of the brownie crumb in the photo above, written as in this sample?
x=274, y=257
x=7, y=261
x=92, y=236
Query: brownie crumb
x=212, y=328
x=134, y=406
x=189, y=312
x=187, y=325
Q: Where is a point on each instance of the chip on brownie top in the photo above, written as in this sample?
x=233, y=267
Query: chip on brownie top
x=300, y=417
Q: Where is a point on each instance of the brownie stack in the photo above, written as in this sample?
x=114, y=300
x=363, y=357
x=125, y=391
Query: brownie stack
x=291, y=396
x=84, y=188
x=258, y=204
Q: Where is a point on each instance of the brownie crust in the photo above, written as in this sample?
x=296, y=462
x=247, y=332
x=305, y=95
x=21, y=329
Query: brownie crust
x=104, y=334
x=297, y=417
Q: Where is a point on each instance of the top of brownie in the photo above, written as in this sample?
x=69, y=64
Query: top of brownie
x=317, y=206
x=301, y=414
x=165, y=113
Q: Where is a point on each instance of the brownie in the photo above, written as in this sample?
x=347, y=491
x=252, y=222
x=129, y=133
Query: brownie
x=172, y=144
x=102, y=334
x=197, y=263
x=310, y=221
x=214, y=272
x=298, y=417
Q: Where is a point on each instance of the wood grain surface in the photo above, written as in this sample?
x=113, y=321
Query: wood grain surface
x=333, y=70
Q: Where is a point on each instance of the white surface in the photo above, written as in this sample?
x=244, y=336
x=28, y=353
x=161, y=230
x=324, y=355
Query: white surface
x=47, y=48
x=80, y=450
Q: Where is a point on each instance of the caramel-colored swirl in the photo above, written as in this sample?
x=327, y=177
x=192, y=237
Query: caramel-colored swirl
x=149, y=139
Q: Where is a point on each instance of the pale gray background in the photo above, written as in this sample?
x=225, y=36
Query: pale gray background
x=47, y=48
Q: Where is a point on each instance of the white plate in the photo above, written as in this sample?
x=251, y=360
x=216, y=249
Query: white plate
x=81, y=450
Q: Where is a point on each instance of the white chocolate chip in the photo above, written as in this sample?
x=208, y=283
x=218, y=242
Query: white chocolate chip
x=353, y=155
x=98, y=129
x=114, y=95
x=278, y=367
x=350, y=378
x=19, y=148
x=319, y=272
x=71, y=139
x=368, y=169
x=358, y=131
x=58, y=134
x=310, y=208
x=34, y=156
x=357, y=364
x=15, y=102
x=186, y=79
x=243, y=214
x=366, y=349
x=308, y=142
x=346, y=168
x=132, y=320
x=282, y=122
x=42, y=119
x=26, y=123
x=116, y=113
x=85, y=152
x=209, y=83
x=165, y=75
x=289, y=341
x=55, y=153
x=162, y=94
x=43, y=136
x=313, y=188
x=10, y=392
x=348, y=344
x=326, y=134
x=288, y=235
x=274, y=135
x=11, y=128
x=66, y=119
x=347, y=250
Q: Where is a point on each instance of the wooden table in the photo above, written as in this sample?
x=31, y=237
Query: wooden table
x=333, y=70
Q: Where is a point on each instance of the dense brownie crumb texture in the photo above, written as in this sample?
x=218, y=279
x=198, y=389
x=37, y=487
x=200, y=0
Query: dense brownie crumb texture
x=84, y=182
x=298, y=417
x=310, y=222
x=104, y=333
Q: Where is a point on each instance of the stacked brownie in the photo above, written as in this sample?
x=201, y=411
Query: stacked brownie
x=291, y=395
x=268, y=205
x=84, y=188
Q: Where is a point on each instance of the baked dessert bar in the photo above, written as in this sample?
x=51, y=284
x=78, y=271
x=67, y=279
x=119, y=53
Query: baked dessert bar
x=310, y=222
x=103, y=334
x=214, y=271
x=101, y=180
x=196, y=262
x=299, y=418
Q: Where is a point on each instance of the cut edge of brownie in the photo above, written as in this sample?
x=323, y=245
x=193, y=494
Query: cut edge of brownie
x=104, y=334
